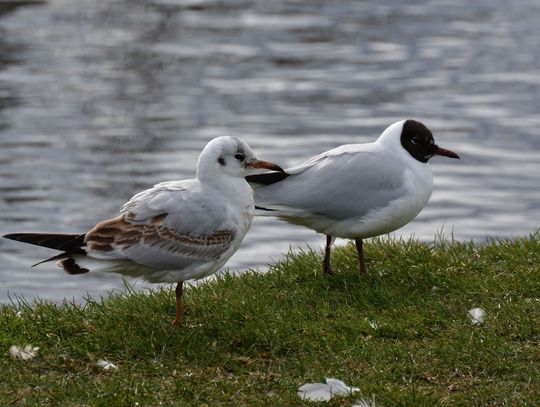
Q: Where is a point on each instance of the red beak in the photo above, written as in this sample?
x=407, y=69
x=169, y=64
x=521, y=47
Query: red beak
x=445, y=152
x=265, y=164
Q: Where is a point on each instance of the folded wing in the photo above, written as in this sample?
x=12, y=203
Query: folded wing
x=171, y=225
x=338, y=186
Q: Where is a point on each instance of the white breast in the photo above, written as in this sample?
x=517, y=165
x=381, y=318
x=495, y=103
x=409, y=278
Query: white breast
x=418, y=184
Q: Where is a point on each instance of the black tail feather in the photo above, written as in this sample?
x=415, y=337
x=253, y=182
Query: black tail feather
x=266, y=179
x=63, y=242
x=60, y=256
x=262, y=208
x=70, y=266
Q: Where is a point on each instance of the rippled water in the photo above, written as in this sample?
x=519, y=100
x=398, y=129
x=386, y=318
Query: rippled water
x=100, y=99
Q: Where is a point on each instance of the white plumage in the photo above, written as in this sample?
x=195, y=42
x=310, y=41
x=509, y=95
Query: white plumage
x=174, y=231
x=355, y=191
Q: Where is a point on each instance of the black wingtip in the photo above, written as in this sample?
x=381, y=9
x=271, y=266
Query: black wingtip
x=266, y=179
x=63, y=242
x=53, y=258
x=264, y=209
x=70, y=266
x=11, y=236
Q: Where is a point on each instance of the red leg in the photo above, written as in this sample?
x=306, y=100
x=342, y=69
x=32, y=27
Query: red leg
x=179, y=310
x=360, y=252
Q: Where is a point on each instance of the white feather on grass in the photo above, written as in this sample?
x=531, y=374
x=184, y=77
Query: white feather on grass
x=373, y=324
x=325, y=391
x=24, y=353
x=106, y=365
x=477, y=315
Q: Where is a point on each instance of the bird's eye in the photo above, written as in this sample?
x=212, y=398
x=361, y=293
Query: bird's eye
x=239, y=156
x=416, y=140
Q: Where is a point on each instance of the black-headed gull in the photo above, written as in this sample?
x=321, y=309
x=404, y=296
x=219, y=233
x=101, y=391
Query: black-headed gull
x=174, y=231
x=355, y=191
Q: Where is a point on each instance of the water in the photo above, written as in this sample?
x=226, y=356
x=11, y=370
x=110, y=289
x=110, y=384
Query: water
x=100, y=99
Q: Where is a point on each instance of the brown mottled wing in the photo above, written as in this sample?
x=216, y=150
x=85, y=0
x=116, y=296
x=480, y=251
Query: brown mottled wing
x=172, y=225
x=154, y=243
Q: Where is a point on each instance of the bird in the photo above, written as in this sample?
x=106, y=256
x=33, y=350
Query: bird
x=174, y=231
x=355, y=191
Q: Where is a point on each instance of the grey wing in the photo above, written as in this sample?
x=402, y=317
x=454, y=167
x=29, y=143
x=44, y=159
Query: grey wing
x=172, y=225
x=189, y=207
x=336, y=186
x=157, y=200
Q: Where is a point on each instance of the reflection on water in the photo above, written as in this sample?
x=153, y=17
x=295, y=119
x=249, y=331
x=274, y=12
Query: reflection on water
x=100, y=99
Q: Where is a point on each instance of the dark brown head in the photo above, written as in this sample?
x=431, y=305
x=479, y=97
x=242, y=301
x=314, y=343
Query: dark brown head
x=418, y=140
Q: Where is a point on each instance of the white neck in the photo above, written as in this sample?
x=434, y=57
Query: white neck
x=233, y=187
x=391, y=135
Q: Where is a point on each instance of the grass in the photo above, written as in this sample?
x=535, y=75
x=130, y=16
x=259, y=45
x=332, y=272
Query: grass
x=401, y=334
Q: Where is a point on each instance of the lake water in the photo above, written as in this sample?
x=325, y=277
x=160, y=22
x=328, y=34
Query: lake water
x=101, y=99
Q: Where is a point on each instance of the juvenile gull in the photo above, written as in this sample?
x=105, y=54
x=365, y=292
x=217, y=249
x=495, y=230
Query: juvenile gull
x=355, y=191
x=174, y=231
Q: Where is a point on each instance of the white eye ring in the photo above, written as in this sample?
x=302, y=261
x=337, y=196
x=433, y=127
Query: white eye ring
x=415, y=140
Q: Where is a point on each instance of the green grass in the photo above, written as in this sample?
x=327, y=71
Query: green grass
x=401, y=334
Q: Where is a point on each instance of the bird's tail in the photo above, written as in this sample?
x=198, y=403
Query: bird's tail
x=62, y=242
x=68, y=244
